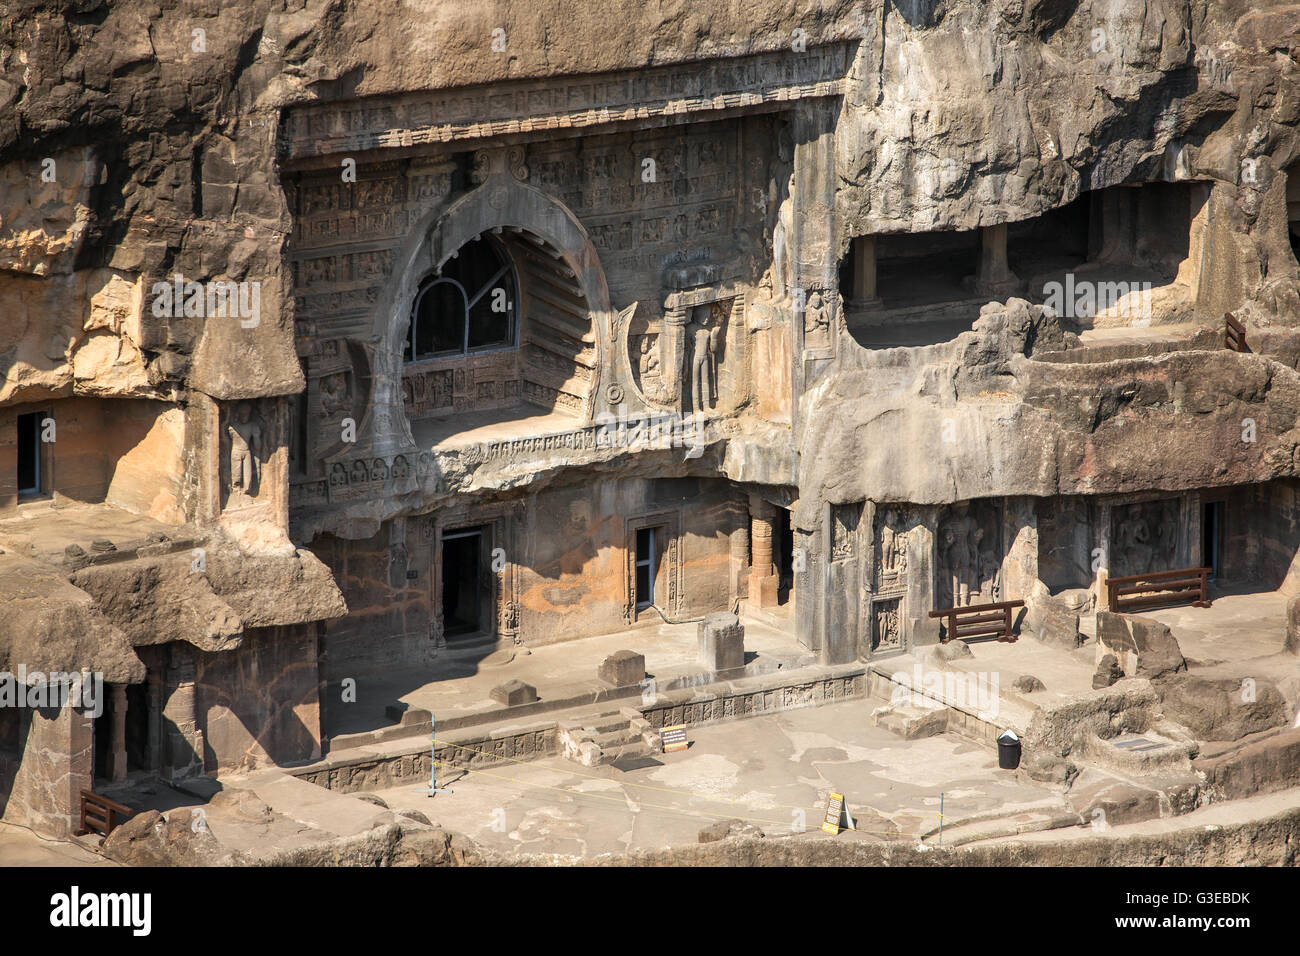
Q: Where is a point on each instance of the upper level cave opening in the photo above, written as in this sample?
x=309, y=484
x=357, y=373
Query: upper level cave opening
x=500, y=342
x=1122, y=256
x=467, y=306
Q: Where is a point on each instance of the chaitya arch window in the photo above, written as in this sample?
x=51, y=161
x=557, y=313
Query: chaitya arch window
x=470, y=305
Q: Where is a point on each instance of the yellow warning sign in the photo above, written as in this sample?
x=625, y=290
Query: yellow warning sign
x=834, y=811
x=674, y=738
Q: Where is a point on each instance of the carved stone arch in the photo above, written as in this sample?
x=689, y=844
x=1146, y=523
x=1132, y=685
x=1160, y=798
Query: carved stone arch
x=564, y=330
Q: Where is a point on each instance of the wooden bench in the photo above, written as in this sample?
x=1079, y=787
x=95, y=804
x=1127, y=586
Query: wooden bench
x=1139, y=591
x=100, y=814
x=1234, y=334
x=979, y=622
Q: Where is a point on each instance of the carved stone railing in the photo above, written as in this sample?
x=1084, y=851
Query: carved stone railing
x=376, y=477
x=631, y=433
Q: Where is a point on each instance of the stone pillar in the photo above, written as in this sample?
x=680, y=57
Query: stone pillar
x=117, y=742
x=864, y=272
x=995, y=277
x=740, y=555
x=185, y=739
x=672, y=354
x=722, y=643
x=763, y=579
x=57, y=749
x=1103, y=519
x=1111, y=226
x=153, y=757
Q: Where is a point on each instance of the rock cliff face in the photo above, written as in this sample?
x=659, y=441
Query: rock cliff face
x=138, y=140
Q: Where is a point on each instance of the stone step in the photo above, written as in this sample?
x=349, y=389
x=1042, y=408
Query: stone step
x=911, y=723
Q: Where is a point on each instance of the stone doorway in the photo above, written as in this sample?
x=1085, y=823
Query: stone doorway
x=122, y=734
x=466, y=588
x=783, y=535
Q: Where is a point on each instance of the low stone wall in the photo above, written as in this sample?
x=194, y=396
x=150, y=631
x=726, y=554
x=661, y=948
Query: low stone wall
x=372, y=771
x=352, y=770
x=753, y=697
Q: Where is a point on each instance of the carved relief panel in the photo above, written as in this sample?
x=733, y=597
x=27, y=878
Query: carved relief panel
x=886, y=625
x=248, y=439
x=1144, y=537
x=844, y=531
x=820, y=317
x=968, y=554
x=894, y=526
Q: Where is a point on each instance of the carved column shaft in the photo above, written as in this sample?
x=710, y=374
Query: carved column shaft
x=993, y=254
x=864, y=271
x=185, y=744
x=739, y=555
x=762, y=515
x=672, y=353
x=117, y=740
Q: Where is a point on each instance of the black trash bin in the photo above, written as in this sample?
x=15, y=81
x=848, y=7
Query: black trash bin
x=1008, y=750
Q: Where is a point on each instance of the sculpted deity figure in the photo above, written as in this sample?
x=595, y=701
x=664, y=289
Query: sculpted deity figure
x=893, y=545
x=649, y=360
x=334, y=397
x=782, y=237
x=1133, y=541
x=817, y=319
x=704, y=342
x=245, y=446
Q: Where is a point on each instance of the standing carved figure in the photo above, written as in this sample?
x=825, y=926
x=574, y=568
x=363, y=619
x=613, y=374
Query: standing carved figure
x=782, y=237
x=245, y=447
x=704, y=343
x=1133, y=541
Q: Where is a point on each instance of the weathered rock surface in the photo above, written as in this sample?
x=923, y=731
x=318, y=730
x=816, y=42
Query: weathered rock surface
x=727, y=829
x=1222, y=708
x=1141, y=647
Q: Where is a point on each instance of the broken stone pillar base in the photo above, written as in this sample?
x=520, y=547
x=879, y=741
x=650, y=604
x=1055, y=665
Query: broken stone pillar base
x=763, y=591
x=722, y=642
x=514, y=692
x=622, y=668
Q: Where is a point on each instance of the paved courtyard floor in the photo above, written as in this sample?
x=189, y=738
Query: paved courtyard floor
x=774, y=771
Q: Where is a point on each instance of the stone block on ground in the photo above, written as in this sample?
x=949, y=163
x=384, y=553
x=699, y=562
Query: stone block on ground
x=1108, y=672
x=1142, y=648
x=1052, y=620
x=1050, y=768
x=622, y=668
x=952, y=650
x=911, y=723
x=1028, y=684
x=722, y=642
x=513, y=693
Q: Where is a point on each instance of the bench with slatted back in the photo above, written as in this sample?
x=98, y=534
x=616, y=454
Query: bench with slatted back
x=979, y=622
x=1138, y=592
x=100, y=814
